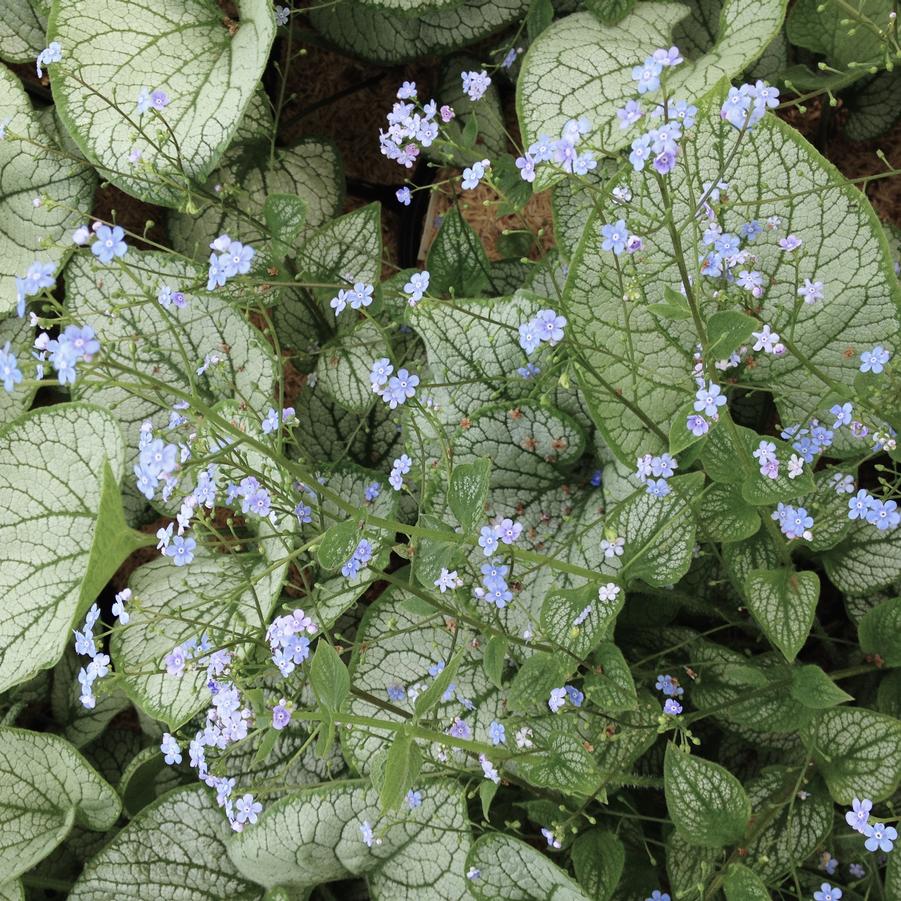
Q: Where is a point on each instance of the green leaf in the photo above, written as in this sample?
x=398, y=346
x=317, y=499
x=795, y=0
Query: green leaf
x=727, y=331
x=879, y=632
x=634, y=378
x=858, y=752
x=432, y=695
x=113, y=48
x=705, y=801
x=61, y=529
x=582, y=67
x=345, y=364
x=563, y=606
x=46, y=787
x=12, y=891
x=609, y=12
x=504, y=861
x=22, y=27
x=402, y=766
x=487, y=791
x=179, y=840
x=866, y=560
x=339, y=541
x=387, y=38
x=598, y=858
x=20, y=336
x=32, y=167
x=537, y=675
x=310, y=172
x=742, y=884
x=783, y=601
x=457, y=262
x=814, y=689
x=329, y=676
x=538, y=18
x=874, y=106
x=495, y=656
x=659, y=532
x=724, y=516
x=313, y=837
x=795, y=831
x=223, y=592
x=468, y=492
x=824, y=27
x=609, y=685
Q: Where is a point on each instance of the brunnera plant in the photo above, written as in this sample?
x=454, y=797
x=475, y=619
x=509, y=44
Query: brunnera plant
x=570, y=575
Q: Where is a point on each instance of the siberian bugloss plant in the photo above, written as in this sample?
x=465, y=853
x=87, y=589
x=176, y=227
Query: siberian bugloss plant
x=573, y=574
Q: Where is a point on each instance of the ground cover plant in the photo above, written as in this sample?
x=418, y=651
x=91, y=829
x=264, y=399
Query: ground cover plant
x=448, y=449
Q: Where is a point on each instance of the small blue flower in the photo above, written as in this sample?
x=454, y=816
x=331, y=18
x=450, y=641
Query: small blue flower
x=496, y=733
x=109, y=243
x=181, y=550
x=10, y=374
x=171, y=750
x=874, y=360
x=414, y=799
x=488, y=540
x=708, y=400
x=672, y=707
x=404, y=196
x=827, y=893
x=615, y=236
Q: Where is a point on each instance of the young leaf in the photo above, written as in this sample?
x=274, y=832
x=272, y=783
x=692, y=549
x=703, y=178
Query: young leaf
x=432, y=695
x=742, y=884
x=814, y=689
x=879, y=632
x=705, y=801
x=609, y=684
x=487, y=791
x=457, y=261
x=468, y=492
x=598, y=858
x=329, y=676
x=46, y=787
x=563, y=606
x=402, y=766
x=113, y=49
x=493, y=661
x=783, y=601
x=339, y=541
x=727, y=330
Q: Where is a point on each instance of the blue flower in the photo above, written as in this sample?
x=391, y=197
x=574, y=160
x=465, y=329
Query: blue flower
x=50, y=54
x=417, y=287
x=372, y=491
x=858, y=507
x=657, y=895
x=883, y=514
x=880, y=837
x=171, y=750
x=109, y=243
x=529, y=339
x=647, y=75
x=672, y=707
x=557, y=699
x=414, y=799
x=281, y=715
x=496, y=733
x=181, y=550
x=874, y=360
x=827, y=893
x=472, y=175
x=575, y=696
x=629, y=114
x=615, y=236
x=488, y=540
x=475, y=84
x=708, y=400
x=404, y=196
x=400, y=388
x=10, y=373
x=282, y=14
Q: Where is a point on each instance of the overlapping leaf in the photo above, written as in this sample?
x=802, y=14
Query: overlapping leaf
x=22, y=27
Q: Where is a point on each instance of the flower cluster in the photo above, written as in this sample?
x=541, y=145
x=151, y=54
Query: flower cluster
x=562, y=153
x=879, y=837
x=655, y=472
x=494, y=588
x=358, y=297
x=503, y=532
x=794, y=522
x=228, y=259
x=559, y=697
x=287, y=637
x=99, y=662
x=358, y=559
x=74, y=344
x=411, y=127
x=399, y=468
x=768, y=461
x=475, y=84
x=884, y=515
x=38, y=277
x=547, y=326
x=394, y=390
x=745, y=106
